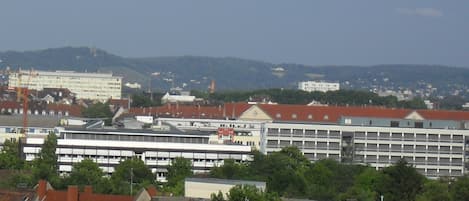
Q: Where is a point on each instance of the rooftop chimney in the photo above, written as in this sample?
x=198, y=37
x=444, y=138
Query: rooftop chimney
x=72, y=193
x=41, y=189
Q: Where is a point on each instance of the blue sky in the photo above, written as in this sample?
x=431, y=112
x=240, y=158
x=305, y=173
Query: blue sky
x=316, y=32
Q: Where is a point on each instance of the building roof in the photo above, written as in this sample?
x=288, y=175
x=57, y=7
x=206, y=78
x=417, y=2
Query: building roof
x=295, y=113
x=33, y=121
x=230, y=110
x=226, y=181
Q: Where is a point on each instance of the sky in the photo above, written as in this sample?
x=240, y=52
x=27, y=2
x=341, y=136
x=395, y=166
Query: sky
x=313, y=32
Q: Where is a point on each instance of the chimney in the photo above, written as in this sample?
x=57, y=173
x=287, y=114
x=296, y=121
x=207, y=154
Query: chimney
x=41, y=189
x=88, y=190
x=72, y=193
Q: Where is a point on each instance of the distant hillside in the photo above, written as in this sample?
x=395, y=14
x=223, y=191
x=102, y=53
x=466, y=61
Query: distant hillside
x=233, y=73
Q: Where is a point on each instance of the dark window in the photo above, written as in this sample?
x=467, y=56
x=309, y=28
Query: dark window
x=394, y=124
x=418, y=124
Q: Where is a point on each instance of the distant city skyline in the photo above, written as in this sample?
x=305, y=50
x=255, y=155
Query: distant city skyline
x=333, y=32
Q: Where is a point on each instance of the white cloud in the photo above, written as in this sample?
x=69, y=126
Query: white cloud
x=423, y=12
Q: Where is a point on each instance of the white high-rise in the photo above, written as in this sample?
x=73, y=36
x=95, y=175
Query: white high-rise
x=94, y=86
x=310, y=86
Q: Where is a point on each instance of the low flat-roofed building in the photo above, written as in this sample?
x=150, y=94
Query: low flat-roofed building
x=204, y=187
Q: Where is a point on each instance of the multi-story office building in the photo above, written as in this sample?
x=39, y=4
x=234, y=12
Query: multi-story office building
x=94, y=86
x=156, y=149
x=310, y=86
x=434, y=152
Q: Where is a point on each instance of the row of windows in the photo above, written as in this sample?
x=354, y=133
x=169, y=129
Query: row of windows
x=139, y=138
x=365, y=135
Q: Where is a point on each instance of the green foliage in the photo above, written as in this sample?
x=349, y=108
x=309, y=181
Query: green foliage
x=217, y=197
x=364, y=186
x=249, y=192
x=460, y=189
x=289, y=174
x=178, y=170
x=400, y=182
x=86, y=172
x=144, y=100
x=230, y=170
x=99, y=110
x=129, y=170
x=341, y=97
x=10, y=156
x=434, y=190
x=45, y=165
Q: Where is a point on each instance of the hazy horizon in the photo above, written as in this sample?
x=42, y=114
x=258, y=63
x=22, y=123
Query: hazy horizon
x=361, y=32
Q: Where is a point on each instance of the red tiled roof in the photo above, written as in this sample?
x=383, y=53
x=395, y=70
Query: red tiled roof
x=303, y=113
x=444, y=114
x=327, y=113
x=73, y=110
x=333, y=113
x=10, y=104
x=119, y=102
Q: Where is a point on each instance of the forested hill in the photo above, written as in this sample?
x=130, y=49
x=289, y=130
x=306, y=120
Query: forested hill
x=195, y=72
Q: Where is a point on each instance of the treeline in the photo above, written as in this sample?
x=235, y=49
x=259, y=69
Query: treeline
x=288, y=173
x=289, y=96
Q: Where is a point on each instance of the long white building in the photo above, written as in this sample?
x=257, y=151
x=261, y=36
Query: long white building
x=94, y=86
x=109, y=147
x=310, y=86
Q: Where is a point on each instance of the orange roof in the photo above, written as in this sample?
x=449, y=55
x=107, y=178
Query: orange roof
x=193, y=111
x=333, y=113
x=327, y=113
x=302, y=113
x=73, y=110
x=444, y=114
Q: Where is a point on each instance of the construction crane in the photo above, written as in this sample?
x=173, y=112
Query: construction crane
x=23, y=92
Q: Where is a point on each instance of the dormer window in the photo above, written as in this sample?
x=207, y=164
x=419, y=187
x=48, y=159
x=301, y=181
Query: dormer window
x=310, y=116
x=293, y=116
x=278, y=115
x=326, y=117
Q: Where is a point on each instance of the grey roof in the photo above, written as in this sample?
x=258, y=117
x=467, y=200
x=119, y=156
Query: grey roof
x=33, y=121
x=226, y=181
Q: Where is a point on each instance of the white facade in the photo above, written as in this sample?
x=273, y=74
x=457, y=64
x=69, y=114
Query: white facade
x=434, y=152
x=310, y=86
x=108, y=148
x=94, y=86
x=168, y=98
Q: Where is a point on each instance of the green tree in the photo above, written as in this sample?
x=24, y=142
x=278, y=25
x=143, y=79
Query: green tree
x=364, y=187
x=230, y=170
x=131, y=170
x=217, y=197
x=86, y=172
x=178, y=170
x=251, y=193
x=434, y=190
x=400, y=182
x=460, y=189
x=10, y=156
x=140, y=100
x=45, y=165
x=99, y=110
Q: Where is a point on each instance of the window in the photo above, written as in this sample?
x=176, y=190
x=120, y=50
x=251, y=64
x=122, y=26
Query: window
x=394, y=124
x=293, y=116
x=418, y=124
x=310, y=116
x=278, y=116
x=326, y=117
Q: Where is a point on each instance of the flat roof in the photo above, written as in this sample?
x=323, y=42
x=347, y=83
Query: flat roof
x=226, y=181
